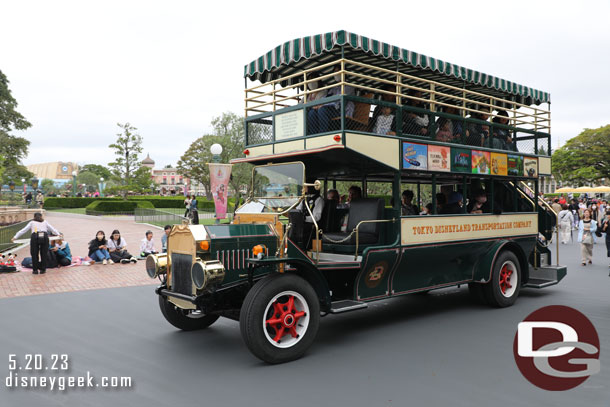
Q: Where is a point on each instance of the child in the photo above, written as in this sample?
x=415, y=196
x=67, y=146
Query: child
x=166, y=229
x=98, y=249
x=62, y=252
x=148, y=245
x=386, y=122
x=445, y=132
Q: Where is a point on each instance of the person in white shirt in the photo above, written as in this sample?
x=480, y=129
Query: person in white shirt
x=39, y=241
x=565, y=224
x=118, y=249
x=316, y=204
x=147, y=246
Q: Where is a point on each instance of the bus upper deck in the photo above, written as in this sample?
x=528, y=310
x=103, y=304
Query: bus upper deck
x=340, y=82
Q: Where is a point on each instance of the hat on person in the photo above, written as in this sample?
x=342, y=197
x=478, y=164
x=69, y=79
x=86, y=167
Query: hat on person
x=455, y=197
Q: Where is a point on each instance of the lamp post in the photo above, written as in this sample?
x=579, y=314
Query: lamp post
x=23, y=183
x=102, y=185
x=73, y=184
x=11, y=186
x=152, y=187
x=34, y=183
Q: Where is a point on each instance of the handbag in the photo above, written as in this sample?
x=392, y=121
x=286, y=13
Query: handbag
x=587, y=238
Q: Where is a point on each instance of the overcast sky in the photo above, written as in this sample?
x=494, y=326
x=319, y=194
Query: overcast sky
x=79, y=67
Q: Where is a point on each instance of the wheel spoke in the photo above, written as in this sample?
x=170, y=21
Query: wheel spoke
x=273, y=321
x=279, y=333
x=293, y=332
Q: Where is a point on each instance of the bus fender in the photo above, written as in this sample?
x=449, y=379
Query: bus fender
x=309, y=272
x=484, y=268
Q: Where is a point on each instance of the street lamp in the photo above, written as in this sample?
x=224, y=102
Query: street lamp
x=11, y=186
x=73, y=184
x=152, y=187
x=216, y=150
x=23, y=183
x=102, y=185
x=34, y=183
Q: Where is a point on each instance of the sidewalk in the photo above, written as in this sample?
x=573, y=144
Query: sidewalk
x=78, y=230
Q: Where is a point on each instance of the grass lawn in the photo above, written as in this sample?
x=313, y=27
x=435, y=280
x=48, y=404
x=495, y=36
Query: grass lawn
x=69, y=210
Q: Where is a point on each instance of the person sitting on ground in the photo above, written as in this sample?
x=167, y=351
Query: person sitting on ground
x=61, y=249
x=98, y=248
x=477, y=133
x=118, y=249
x=415, y=123
x=454, y=204
x=407, y=208
x=166, y=230
x=479, y=202
x=333, y=195
x=147, y=246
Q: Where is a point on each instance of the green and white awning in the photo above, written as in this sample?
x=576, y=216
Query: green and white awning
x=302, y=53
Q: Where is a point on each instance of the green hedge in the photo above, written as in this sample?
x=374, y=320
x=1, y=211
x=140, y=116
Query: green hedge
x=116, y=206
x=52, y=202
x=156, y=201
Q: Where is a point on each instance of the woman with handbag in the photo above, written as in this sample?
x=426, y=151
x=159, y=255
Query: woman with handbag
x=586, y=237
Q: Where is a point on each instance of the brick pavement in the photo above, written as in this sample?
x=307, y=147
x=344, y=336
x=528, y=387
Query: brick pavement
x=78, y=230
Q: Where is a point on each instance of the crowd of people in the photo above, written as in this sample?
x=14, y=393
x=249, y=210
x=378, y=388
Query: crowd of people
x=49, y=249
x=590, y=217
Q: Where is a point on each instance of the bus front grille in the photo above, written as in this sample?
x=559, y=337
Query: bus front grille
x=181, y=273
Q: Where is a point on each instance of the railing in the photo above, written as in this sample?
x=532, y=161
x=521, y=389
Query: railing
x=7, y=233
x=365, y=114
x=163, y=217
x=393, y=86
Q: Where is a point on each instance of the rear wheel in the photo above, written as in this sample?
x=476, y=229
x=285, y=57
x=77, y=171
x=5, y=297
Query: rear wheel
x=279, y=318
x=503, y=288
x=187, y=320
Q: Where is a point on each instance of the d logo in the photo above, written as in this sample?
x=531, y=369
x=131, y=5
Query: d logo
x=556, y=348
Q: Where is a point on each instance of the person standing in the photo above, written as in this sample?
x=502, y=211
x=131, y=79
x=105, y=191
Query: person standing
x=565, y=224
x=586, y=237
x=187, y=206
x=556, y=206
x=39, y=241
x=194, y=210
x=167, y=229
x=605, y=228
x=40, y=199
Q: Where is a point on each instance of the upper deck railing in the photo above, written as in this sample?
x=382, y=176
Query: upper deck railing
x=419, y=107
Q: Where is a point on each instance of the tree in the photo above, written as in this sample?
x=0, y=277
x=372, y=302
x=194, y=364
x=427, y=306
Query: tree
x=584, y=158
x=228, y=131
x=48, y=186
x=89, y=179
x=12, y=148
x=126, y=168
x=99, y=170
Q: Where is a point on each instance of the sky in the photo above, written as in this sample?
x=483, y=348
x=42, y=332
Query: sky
x=77, y=68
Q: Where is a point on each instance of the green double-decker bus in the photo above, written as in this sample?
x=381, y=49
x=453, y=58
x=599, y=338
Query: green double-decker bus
x=442, y=165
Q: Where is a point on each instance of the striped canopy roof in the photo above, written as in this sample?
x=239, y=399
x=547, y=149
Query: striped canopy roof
x=302, y=53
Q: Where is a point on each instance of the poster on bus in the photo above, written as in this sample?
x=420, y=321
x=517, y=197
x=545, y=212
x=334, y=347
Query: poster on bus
x=480, y=162
x=414, y=156
x=530, y=167
x=499, y=164
x=515, y=165
x=439, y=158
x=220, y=174
x=460, y=160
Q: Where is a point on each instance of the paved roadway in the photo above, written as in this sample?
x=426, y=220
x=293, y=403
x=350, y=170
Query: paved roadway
x=435, y=350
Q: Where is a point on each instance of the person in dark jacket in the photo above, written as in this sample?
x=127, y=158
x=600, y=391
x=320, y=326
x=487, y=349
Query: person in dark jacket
x=605, y=228
x=98, y=248
x=454, y=204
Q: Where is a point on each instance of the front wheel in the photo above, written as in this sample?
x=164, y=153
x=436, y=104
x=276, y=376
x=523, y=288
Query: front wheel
x=503, y=288
x=187, y=320
x=279, y=318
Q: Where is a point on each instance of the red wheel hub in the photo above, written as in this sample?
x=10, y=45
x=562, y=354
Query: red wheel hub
x=284, y=319
x=505, y=274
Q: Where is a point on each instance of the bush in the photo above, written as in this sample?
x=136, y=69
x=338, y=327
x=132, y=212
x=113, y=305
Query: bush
x=114, y=206
x=50, y=203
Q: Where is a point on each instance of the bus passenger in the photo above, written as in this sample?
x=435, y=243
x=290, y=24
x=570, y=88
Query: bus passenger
x=416, y=123
x=318, y=120
x=312, y=86
x=441, y=201
x=444, y=132
x=427, y=210
x=505, y=141
x=478, y=203
x=456, y=124
x=407, y=208
x=454, y=205
x=333, y=195
x=385, y=122
x=476, y=133
x=354, y=192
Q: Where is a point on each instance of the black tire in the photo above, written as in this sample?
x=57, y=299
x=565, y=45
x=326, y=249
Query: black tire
x=476, y=292
x=493, y=291
x=184, y=319
x=258, y=307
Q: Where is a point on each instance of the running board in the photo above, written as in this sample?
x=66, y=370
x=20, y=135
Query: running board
x=546, y=276
x=337, y=307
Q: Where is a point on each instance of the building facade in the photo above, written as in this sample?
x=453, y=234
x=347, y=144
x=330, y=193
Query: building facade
x=169, y=181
